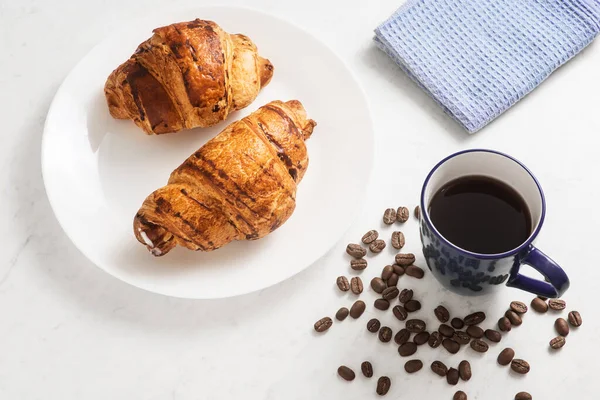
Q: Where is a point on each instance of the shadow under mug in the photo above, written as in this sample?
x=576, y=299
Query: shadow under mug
x=469, y=273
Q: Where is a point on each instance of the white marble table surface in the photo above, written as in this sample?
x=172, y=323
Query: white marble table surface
x=70, y=331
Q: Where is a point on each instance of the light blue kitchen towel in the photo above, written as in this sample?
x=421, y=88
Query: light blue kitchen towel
x=477, y=58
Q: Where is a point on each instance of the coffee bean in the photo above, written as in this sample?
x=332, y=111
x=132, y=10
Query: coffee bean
x=406, y=295
x=416, y=325
x=492, y=335
x=475, y=318
x=435, y=340
x=356, y=285
x=405, y=259
x=446, y=330
x=402, y=336
x=378, y=285
x=479, y=345
x=461, y=337
x=370, y=236
x=387, y=271
x=342, y=314
x=523, y=396
x=543, y=298
x=367, y=369
x=561, y=326
x=358, y=265
x=504, y=324
x=513, y=317
x=398, y=240
x=390, y=293
x=519, y=366
x=452, y=376
x=400, y=312
x=402, y=214
x=342, y=283
x=575, y=319
x=539, y=305
x=451, y=346
x=518, y=307
x=412, y=305
x=346, y=373
x=464, y=370
x=439, y=368
x=442, y=314
x=475, y=332
x=385, y=334
x=357, y=309
x=457, y=323
x=373, y=325
x=414, y=271
x=417, y=212
x=356, y=250
x=506, y=356
x=393, y=281
x=377, y=246
x=383, y=385
x=460, y=395
x=421, y=338
x=389, y=216
x=381, y=304
x=323, y=324
x=398, y=269
x=413, y=366
x=407, y=349
x=557, y=304
x=558, y=342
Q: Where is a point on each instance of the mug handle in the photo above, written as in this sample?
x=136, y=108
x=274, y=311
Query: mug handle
x=535, y=258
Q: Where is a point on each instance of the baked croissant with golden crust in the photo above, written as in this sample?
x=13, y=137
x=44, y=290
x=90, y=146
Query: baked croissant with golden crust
x=187, y=75
x=241, y=185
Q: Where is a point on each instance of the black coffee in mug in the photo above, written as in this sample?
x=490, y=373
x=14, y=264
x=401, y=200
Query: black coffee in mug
x=480, y=214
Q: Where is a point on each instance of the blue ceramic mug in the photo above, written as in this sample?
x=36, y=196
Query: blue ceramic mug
x=470, y=273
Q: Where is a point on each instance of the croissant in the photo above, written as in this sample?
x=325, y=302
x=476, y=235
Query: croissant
x=241, y=185
x=187, y=75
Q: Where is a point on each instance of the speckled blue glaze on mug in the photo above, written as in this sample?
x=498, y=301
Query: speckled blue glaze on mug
x=473, y=274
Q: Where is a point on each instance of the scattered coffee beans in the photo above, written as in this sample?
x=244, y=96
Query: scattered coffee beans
x=460, y=395
x=407, y=349
x=383, y=385
x=452, y=376
x=387, y=271
x=457, y=323
x=367, y=369
x=493, y=336
x=405, y=259
x=513, y=317
x=558, y=342
x=357, y=309
x=398, y=269
x=539, y=305
x=346, y=373
x=461, y=337
x=342, y=314
x=378, y=285
x=451, y=346
x=557, y=304
x=400, y=312
x=435, y=340
x=377, y=246
x=479, y=345
x=421, y=338
x=475, y=332
x=464, y=370
x=390, y=293
x=358, y=265
x=385, y=334
x=504, y=324
x=402, y=336
x=356, y=250
x=446, y=330
x=393, y=281
x=442, y=314
x=519, y=366
x=381, y=304
x=342, y=283
x=506, y=356
x=523, y=396
x=402, y=214
x=356, y=285
x=475, y=318
x=414, y=271
x=398, y=240
x=439, y=368
x=417, y=212
x=561, y=326
x=416, y=325
x=370, y=236
x=413, y=366
x=412, y=305
x=406, y=295
x=389, y=216
x=373, y=325
x=575, y=319
x=518, y=307
x=323, y=324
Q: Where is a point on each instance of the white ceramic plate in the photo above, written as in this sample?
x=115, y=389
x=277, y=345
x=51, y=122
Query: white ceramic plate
x=98, y=170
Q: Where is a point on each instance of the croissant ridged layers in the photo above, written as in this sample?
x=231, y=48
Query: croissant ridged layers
x=187, y=75
x=241, y=185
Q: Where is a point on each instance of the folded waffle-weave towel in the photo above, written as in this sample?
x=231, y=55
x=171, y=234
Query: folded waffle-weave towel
x=477, y=58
